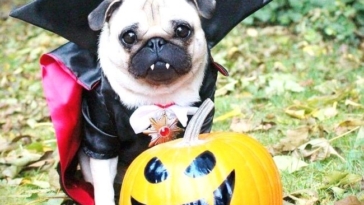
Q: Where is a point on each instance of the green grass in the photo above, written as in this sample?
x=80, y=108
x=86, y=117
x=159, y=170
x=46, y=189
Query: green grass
x=270, y=68
x=330, y=74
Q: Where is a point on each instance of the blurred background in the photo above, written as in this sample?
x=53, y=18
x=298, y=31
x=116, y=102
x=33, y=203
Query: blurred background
x=296, y=84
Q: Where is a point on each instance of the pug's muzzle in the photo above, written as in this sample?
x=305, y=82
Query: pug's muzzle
x=160, y=62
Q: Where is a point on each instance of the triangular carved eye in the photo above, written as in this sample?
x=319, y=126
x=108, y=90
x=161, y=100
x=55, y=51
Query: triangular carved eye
x=155, y=172
x=201, y=165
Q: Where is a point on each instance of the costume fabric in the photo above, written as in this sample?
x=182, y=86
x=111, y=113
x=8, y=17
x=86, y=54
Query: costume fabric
x=98, y=123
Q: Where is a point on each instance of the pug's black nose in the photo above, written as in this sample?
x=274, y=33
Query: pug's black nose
x=156, y=44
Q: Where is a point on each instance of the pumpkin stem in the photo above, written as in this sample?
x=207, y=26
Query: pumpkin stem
x=194, y=126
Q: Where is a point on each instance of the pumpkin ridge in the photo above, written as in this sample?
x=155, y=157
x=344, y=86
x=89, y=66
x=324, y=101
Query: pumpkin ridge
x=263, y=165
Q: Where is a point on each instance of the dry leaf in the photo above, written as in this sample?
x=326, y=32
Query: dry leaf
x=289, y=164
x=280, y=83
x=350, y=200
x=20, y=140
x=20, y=158
x=326, y=113
x=317, y=149
x=46, y=160
x=241, y=125
x=264, y=126
x=54, y=179
x=294, y=139
x=340, y=179
x=299, y=111
x=347, y=125
x=302, y=197
x=354, y=104
x=337, y=191
x=9, y=171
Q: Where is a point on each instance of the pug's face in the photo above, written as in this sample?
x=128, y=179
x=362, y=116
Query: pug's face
x=152, y=50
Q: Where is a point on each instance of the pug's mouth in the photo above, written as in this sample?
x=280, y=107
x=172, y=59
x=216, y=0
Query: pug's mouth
x=162, y=66
x=161, y=73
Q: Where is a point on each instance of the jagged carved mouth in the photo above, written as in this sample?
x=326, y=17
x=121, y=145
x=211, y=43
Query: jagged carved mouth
x=222, y=195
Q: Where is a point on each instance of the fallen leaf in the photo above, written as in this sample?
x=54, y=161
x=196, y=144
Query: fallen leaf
x=354, y=104
x=294, y=138
x=326, y=113
x=14, y=181
x=280, y=83
x=20, y=158
x=13, y=144
x=264, y=126
x=338, y=192
x=350, y=200
x=317, y=149
x=241, y=125
x=235, y=112
x=230, y=86
x=299, y=111
x=302, y=197
x=9, y=171
x=340, y=179
x=39, y=183
x=333, y=177
x=54, y=179
x=44, y=163
x=289, y=164
x=350, y=179
x=347, y=125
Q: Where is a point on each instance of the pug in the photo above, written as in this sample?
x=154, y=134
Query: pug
x=152, y=52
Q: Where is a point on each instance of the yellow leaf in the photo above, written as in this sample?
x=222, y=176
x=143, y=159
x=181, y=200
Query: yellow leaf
x=354, y=104
x=299, y=111
x=228, y=115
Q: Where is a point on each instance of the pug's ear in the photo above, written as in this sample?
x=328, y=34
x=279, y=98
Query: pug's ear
x=102, y=13
x=205, y=8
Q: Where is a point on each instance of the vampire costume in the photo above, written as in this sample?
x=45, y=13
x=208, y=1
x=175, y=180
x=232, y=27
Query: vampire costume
x=79, y=96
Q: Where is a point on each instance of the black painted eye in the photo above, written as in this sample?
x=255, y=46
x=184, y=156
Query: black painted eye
x=201, y=165
x=155, y=172
x=182, y=31
x=128, y=37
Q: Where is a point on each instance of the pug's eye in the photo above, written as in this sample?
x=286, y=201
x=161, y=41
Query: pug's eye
x=182, y=31
x=128, y=37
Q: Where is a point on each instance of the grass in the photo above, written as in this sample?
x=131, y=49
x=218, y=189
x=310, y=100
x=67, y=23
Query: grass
x=271, y=69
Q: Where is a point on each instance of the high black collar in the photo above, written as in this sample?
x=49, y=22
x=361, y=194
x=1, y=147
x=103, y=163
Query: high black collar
x=68, y=18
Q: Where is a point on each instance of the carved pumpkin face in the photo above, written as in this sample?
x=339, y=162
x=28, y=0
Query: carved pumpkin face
x=220, y=168
x=207, y=169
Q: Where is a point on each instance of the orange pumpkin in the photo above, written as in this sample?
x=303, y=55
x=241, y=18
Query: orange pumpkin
x=215, y=169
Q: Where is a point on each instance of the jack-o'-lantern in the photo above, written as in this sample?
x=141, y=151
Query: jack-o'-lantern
x=206, y=169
